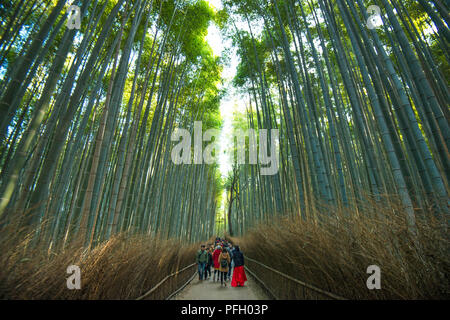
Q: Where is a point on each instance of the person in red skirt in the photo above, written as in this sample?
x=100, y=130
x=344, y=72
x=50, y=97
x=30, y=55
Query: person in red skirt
x=239, y=276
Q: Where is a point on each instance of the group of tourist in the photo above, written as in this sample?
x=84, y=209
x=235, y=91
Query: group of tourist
x=226, y=261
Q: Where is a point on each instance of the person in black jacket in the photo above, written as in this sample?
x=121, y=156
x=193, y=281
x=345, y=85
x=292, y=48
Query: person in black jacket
x=209, y=263
x=239, y=276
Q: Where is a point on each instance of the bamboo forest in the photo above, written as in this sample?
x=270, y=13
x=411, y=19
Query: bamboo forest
x=330, y=152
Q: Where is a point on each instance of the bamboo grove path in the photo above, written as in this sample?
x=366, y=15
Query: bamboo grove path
x=210, y=290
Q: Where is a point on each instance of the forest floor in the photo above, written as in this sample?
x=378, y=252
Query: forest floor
x=210, y=290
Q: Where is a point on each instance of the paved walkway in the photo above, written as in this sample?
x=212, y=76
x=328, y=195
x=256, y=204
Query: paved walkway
x=209, y=290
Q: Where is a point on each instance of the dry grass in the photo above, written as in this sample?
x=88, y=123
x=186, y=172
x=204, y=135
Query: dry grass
x=334, y=255
x=123, y=267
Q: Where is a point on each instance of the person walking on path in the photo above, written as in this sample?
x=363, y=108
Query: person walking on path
x=224, y=263
x=201, y=259
x=216, y=255
x=239, y=276
x=230, y=252
x=209, y=263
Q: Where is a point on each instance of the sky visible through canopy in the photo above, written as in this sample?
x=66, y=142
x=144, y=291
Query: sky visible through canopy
x=218, y=44
x=233, y=101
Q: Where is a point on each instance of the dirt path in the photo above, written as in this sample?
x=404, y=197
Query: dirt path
x=209, y=290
